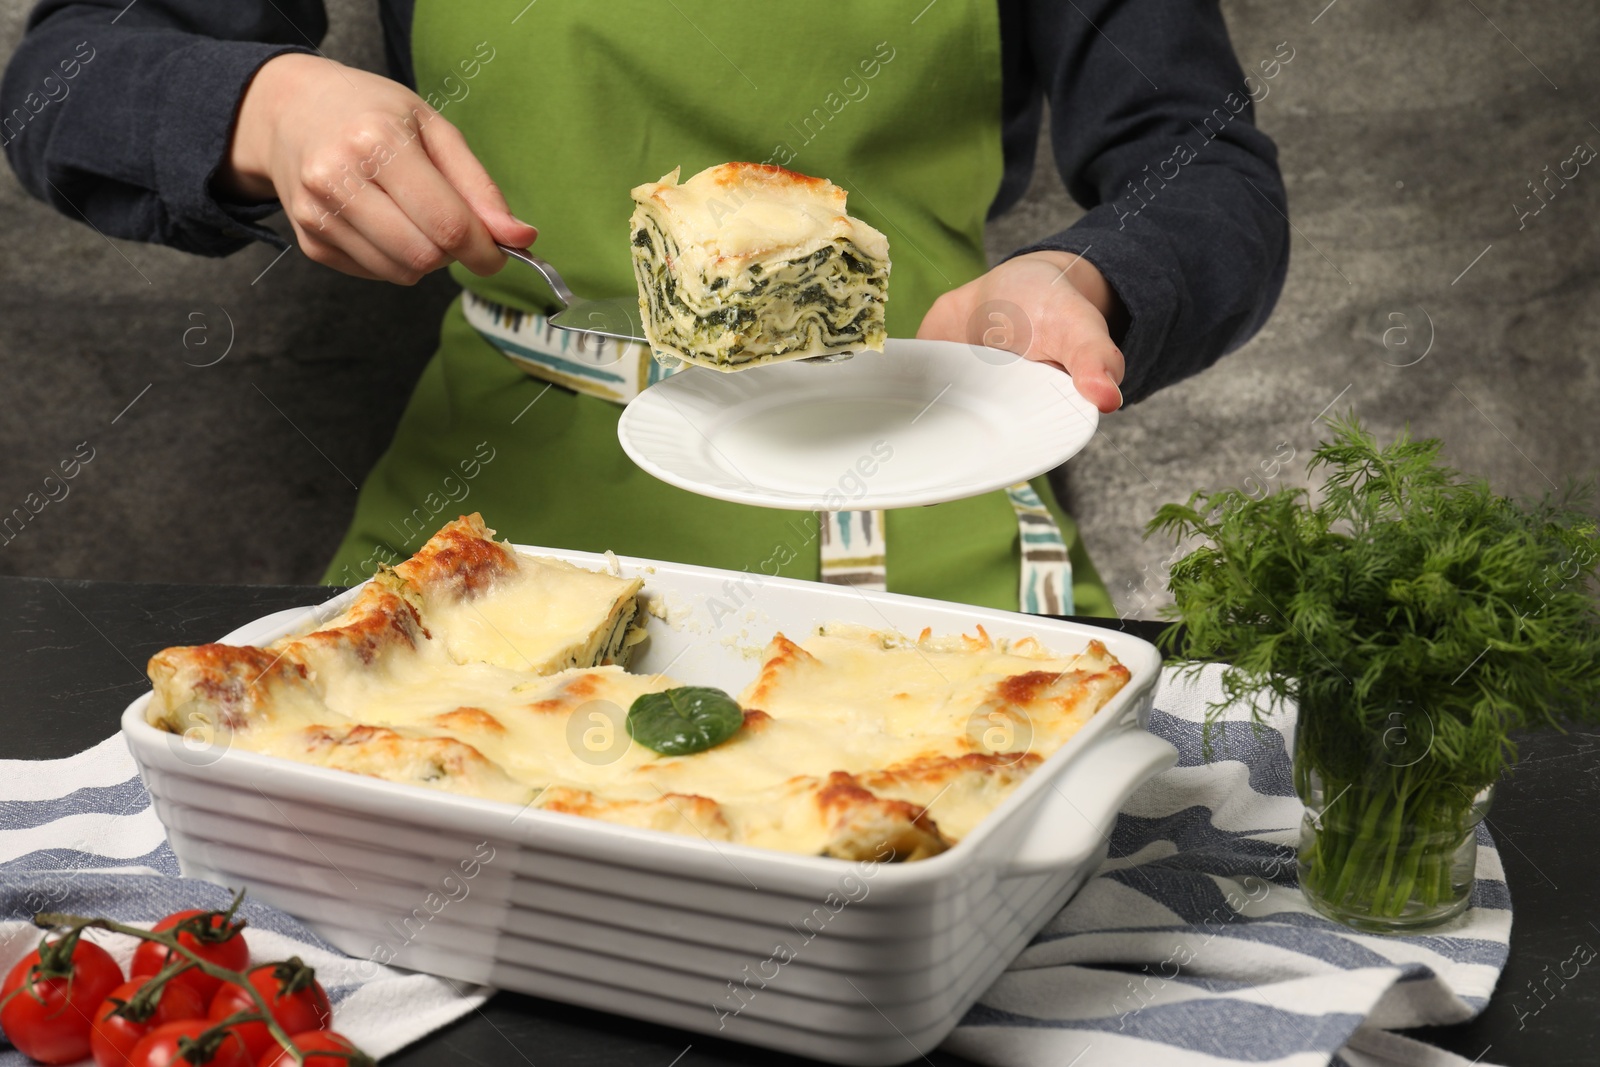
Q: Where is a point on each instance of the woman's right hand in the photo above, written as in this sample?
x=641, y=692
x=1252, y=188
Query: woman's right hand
x=374, y=181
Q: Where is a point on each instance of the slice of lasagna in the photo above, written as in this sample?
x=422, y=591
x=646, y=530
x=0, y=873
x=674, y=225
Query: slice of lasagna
x=489, y=603
x=745, y=264
x=465, y=611
x=926, y=736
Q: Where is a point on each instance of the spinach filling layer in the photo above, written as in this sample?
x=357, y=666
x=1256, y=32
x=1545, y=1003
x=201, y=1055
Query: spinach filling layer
x=829, y=301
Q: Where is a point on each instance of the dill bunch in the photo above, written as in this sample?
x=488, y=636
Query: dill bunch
x=1418, y=621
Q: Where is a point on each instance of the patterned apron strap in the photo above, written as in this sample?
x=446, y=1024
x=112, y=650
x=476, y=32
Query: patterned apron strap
x=602, y=367
x=854, y=549
x=1046, y=580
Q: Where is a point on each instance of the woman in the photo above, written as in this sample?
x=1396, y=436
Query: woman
x=190, y=121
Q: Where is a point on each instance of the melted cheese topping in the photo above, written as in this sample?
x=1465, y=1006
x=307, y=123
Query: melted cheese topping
x=546, y=616
x=855, y=743
x=729, y=216
x=851, y=739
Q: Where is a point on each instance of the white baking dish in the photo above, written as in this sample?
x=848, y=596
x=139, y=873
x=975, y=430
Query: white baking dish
x=856, y=963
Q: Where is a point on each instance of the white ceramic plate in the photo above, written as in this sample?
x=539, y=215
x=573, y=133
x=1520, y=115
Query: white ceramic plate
x=920, y=423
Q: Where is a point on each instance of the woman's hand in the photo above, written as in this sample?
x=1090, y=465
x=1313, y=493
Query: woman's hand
x=1054, y=307
x=373, y=180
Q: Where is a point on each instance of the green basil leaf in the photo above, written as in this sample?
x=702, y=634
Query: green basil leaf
x=691, y=718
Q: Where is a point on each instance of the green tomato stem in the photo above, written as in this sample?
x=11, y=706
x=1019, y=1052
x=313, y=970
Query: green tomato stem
x=76, y=924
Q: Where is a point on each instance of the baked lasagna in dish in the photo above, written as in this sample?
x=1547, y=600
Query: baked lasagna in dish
x=746, y=263
x=479, y=670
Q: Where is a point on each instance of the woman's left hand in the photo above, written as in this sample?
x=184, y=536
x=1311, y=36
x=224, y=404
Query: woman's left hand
x=1054, y=307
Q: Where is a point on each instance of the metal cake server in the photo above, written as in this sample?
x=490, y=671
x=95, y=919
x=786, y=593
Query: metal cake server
x=616, y=318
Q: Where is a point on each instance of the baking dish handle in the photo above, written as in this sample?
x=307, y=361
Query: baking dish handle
x=1075, y=815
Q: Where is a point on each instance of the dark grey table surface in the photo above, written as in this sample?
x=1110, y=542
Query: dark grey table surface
x=72, y=656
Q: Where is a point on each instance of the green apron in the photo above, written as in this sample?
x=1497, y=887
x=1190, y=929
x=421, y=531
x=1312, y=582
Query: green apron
x=569, y=106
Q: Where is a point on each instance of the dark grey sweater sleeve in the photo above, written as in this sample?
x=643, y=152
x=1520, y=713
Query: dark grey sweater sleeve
x=1152, y=127
x=120, y=113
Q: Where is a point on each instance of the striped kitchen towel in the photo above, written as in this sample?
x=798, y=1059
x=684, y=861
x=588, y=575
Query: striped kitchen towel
x=78, y=835
x=1192, y=944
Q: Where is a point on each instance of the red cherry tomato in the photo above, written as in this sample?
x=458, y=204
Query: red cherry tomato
x=224, y=946
x=295, y=998
x=311, y=1043
x=160, y=1047
x=112, y=1037
x=48, y=999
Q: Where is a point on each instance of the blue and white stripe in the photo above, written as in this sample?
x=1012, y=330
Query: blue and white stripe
x=597, y=366
x=79, y=835
x=1192, y=944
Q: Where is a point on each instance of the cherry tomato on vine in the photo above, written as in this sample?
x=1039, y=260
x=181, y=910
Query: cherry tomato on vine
x=50, y=995
x=165, y=1047
x=295, y=998
x=313, y=1042
x=220, y=942
x=113, y=1036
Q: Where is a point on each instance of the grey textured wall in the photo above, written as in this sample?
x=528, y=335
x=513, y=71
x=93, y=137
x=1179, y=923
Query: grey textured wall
x=1408, y=131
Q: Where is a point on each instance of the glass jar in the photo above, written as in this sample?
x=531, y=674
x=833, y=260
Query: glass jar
x=1386, y=850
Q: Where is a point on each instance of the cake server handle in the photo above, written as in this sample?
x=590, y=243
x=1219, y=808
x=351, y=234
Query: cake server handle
x=551, y=275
